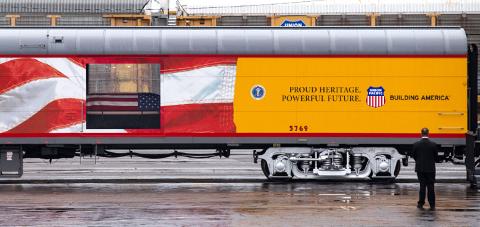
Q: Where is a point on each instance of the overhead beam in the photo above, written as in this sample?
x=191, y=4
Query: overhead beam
x=53, y=19
x=433, y=19
x=373, y=19
x=13, y=19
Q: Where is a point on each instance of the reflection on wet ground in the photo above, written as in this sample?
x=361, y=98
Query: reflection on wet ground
x=240, y=204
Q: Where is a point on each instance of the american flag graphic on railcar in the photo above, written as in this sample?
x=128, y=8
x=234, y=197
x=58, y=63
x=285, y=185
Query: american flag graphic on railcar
x=375, y=97
x=41, y=95
x=48, y=95
x=129, y=103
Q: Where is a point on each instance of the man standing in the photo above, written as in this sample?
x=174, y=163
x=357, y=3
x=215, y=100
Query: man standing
x=425, y=154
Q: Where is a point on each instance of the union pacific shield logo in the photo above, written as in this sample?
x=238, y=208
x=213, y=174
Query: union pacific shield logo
x=375, y=97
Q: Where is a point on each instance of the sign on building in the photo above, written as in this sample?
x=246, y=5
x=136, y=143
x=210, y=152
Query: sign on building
x=290, y=23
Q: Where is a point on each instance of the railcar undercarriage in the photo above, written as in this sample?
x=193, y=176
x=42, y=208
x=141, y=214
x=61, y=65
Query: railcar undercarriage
x=331, y=163
x=277, y=163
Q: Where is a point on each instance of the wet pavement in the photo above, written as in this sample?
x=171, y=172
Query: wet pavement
x=219, y=192
x=235, y=204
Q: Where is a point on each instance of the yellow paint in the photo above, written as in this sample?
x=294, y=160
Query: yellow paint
x=13, y=19
x=53, y=19
x=373, y=19
x=398, y=76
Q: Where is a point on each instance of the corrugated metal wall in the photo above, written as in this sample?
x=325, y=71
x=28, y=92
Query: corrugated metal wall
x=243, y=21
x=343, y=20
x=389, y=20
x=72, y=6
x=82, y=20
x=403, y=20
x=4, y=21
x=339, y=7
x=33, y=20
x=415, y=20
x=71, y=12
x=470, y=22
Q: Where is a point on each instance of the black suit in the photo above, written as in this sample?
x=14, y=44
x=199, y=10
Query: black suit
x=425, y=154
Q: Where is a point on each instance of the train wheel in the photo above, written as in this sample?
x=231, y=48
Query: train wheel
x=397, y=169
x=266, y=172
x=265, y=169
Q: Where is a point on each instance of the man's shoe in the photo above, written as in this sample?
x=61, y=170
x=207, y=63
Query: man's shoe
x=420, y=206
x=432, y=208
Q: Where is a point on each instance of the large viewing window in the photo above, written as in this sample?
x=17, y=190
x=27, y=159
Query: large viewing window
x=123, y=96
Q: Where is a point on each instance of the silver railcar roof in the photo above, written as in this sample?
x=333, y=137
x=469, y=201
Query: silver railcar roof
x=233, y=41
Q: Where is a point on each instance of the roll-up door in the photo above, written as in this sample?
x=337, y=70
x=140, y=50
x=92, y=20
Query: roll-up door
x=343, y=20
x=242, y=21
x=83, y=20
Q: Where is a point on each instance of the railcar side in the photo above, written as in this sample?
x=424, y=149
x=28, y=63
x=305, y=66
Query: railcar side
x=314, y=108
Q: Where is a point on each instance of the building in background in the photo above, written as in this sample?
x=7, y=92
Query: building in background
x=83, y=13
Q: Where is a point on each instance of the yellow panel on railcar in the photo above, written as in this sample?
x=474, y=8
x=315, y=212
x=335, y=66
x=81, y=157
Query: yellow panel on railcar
x=351, y=95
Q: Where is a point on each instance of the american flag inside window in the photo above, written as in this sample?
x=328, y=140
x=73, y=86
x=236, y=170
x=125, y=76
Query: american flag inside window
x=123, y=96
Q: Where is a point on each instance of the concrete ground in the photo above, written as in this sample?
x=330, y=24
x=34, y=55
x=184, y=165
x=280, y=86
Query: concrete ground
x=220, y=192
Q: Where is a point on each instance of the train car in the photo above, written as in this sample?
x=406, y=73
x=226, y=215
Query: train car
x=315, y=103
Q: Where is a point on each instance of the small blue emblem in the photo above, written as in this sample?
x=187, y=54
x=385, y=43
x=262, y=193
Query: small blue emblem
x=257, y=92
x=289, y=23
